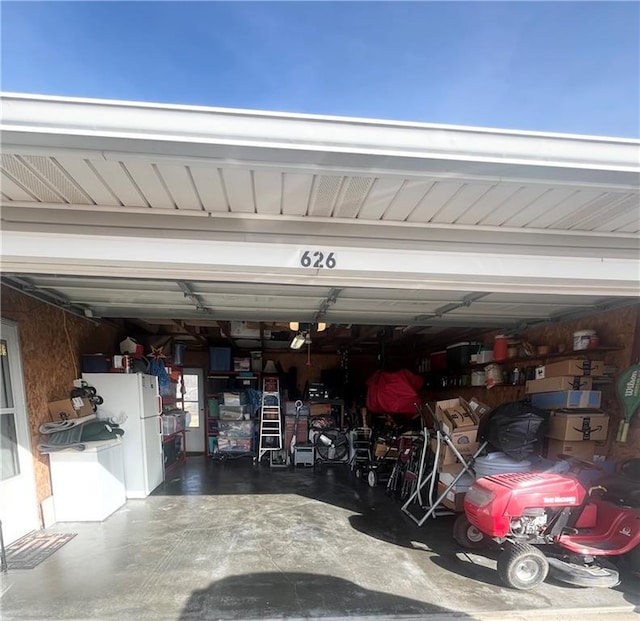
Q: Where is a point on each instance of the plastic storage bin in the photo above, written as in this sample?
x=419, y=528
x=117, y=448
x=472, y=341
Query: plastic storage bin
x=438, y=361
x=459, y=355
x=499, y=463
x=220, y=358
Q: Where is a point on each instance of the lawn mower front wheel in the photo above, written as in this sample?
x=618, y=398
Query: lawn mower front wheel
x=522, y=566
x=469, y=536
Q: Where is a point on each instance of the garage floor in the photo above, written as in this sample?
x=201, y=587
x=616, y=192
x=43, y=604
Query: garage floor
x=226, y=540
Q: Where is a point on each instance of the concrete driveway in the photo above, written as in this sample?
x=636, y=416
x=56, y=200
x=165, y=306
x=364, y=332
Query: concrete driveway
x=233, y=541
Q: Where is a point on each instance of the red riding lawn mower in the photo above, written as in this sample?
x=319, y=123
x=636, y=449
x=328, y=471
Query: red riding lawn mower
x=578, y=528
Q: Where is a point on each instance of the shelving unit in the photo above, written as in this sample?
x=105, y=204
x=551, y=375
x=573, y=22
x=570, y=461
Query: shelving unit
x=217, y=383
x=579, y=353
x=174, y=443
x=525, y=361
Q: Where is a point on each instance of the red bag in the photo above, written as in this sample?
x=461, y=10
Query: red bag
x=393, y=393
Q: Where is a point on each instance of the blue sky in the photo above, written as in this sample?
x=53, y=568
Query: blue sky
x=550, y=66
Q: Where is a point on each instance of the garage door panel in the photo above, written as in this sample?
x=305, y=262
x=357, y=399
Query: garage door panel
x=402, y=306
x=293, y=291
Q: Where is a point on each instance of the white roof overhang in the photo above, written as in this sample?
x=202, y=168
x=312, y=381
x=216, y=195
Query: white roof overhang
x=107, y=189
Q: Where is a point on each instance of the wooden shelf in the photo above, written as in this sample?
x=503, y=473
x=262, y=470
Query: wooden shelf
x=182, y=455
x=232, y=373
x=587, y=353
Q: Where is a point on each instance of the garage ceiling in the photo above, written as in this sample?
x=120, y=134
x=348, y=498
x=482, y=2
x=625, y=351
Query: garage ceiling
x=188, y=217
x=204, y=311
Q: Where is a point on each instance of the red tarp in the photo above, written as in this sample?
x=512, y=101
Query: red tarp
x=393, y=393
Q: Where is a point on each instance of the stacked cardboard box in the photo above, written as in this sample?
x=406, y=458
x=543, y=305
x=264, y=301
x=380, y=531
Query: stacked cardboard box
x=576, y=423
x=454, y=499
x=576, y=433
x=460, y=422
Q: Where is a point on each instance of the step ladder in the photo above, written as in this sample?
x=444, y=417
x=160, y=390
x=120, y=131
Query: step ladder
x=270, y=438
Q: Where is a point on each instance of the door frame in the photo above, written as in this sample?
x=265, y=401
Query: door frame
x=26, y=478
x=190, y=442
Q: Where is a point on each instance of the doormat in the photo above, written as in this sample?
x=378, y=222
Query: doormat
x=29, y=551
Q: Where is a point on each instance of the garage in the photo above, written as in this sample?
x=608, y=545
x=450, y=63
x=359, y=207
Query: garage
x=205, y=235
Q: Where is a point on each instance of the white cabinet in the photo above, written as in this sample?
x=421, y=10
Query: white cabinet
x=88, y=486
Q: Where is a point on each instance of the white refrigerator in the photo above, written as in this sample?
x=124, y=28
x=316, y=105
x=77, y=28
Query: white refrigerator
x=135, y=398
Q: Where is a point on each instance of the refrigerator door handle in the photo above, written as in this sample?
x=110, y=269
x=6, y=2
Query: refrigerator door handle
x=159, y=405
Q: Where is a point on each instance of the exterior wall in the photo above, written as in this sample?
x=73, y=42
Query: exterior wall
x=51, y=342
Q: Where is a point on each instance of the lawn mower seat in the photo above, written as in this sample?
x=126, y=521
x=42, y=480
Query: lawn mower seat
x=623, y=487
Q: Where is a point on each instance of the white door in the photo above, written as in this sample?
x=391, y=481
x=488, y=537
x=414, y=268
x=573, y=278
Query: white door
x=18, y=503
x=151, y=404
x=194, y=404
x=154, y=459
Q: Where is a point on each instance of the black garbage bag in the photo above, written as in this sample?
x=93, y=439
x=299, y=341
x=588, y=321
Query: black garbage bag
x=515, y=428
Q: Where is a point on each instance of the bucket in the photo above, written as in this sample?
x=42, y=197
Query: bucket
x=478, y=378
x=499, y=463
x=582, y=338
x=500, y=348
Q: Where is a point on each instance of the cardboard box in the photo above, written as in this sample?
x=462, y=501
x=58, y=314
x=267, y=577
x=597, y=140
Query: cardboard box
x=559, y=383
x=69, y=408
x=569, y=399
x=384, y=451
x=574, y=366
x=601, y=452
x=454, y=499
x=575, y=427
x=583, y=449
x=319, y=409
x=478, y=408
x=447, y=457
x=459, y=422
